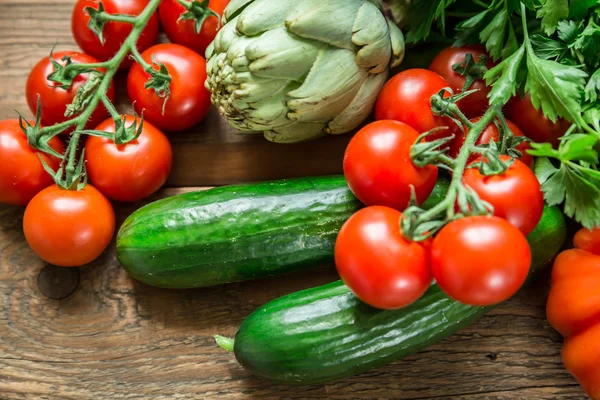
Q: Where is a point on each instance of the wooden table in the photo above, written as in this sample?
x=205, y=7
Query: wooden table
x=114, y=338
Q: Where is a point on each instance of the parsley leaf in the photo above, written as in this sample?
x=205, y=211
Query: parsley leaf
x=551, y=12
x=493, y=34
x=593, y=87
x=468, y=30
x=579, y=8
x=548, y=49
x=504, y=76
x=588, y=43
x=423, y=14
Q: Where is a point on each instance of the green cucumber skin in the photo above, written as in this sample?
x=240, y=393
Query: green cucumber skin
x=326, y=333
x=235, y=233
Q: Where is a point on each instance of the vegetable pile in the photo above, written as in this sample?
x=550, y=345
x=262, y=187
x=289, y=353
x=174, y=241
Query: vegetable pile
x=451, y=197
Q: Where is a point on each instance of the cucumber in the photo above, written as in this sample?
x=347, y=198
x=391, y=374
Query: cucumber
x=238, y=232
x=326, y=333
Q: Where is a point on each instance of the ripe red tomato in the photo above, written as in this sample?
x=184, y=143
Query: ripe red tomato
x=189, y=101
x=475, y=104
x=131, y=171
x=588, y=240
x=69, y=228
x=22, y=175
x=378, y=167
x=183, y=32
x=54, y=99
x=377, y=263
x=406, y=98
x=114, y=33
x=534, y=124
x=516, y=194
x=490, y=133
x=479, y=260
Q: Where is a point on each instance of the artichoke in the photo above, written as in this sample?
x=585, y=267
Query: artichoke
x=298, y=69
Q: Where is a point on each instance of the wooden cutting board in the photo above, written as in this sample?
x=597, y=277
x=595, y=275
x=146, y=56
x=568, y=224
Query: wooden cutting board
x=109, y=337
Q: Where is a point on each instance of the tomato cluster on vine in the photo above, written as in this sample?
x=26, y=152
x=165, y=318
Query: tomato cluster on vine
x=473, y=243
x=43, y=166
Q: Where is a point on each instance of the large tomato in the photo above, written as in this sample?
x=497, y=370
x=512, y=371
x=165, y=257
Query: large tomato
x=183, y=32
x=475, y=104
x=490, y=133
x=406, y=98
x=69, y=228
x=130, y=171
x=189, y=100
x=534, y=124
x=480, y=261
x=22, y=175
x=378, y=168
x=114, y=33
x=54, y=99
x=516, y=194
x=377, y=263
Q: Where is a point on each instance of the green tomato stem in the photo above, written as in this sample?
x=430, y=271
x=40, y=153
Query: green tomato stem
x=128, y=19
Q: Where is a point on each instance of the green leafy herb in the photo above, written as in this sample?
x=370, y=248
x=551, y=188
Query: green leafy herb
x=551, y=12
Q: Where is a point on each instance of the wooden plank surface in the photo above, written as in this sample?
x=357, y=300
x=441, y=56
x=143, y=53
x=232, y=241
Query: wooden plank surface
x=114, y=338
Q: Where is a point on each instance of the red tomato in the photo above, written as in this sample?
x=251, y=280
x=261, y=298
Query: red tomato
x=22, y=175
x=114, y=33
x=131, y=171
x=375, y=261
x=189, y=101
x=475, y=104
x=378, y=167
x=183, y=32
x=581, y=356
x=588, y=240
x=490, y=133
x=534, y=124
x=406, y=98
x=54, y=99
x=69, y=228
x=480, y=261
x=516, y=194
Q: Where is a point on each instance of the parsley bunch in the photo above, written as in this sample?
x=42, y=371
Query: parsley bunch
x=549, y=49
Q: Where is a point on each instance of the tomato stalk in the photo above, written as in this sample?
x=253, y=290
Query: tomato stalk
x=90, y=97
x=198, y=11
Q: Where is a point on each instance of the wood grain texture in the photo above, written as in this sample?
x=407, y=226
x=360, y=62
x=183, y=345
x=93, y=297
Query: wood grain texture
x=115, y=338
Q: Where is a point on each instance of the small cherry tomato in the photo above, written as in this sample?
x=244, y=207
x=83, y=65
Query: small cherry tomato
x=377, y=263
x=189, y=100
x=406, y=98
x=183, y=31
x=378, y=167
x=114, y=33
x=475, y=104
x=22, y=175
x=534, y=124
x=54, y=99
x=131, y=171
x=588, y=240
x=516, y=194
x=490, y=133
x=480, y=260
x=69, y=228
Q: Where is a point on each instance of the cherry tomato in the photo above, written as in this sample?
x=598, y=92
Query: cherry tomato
x=588, y=240
x=114, y=33
x=406, y=98
x=378, y=167
x=475, y=104
x=130, y=171
x=534, y=124
x=69, y=228
x=183, y=32
x=189, y=101
x=375, y=261
x=490, y=133
x=479, y=260
x=54, y=99
x=22, y=175
x=516, y=194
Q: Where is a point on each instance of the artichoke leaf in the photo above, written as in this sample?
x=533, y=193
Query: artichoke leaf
x=329, y=87
x=233, y=8
x=371, y=33
x=298, y=132
x=278, y=54
x=253, y=88
x=360, y=107
x=398, y=45
x=262, y=16
x=329, y=22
